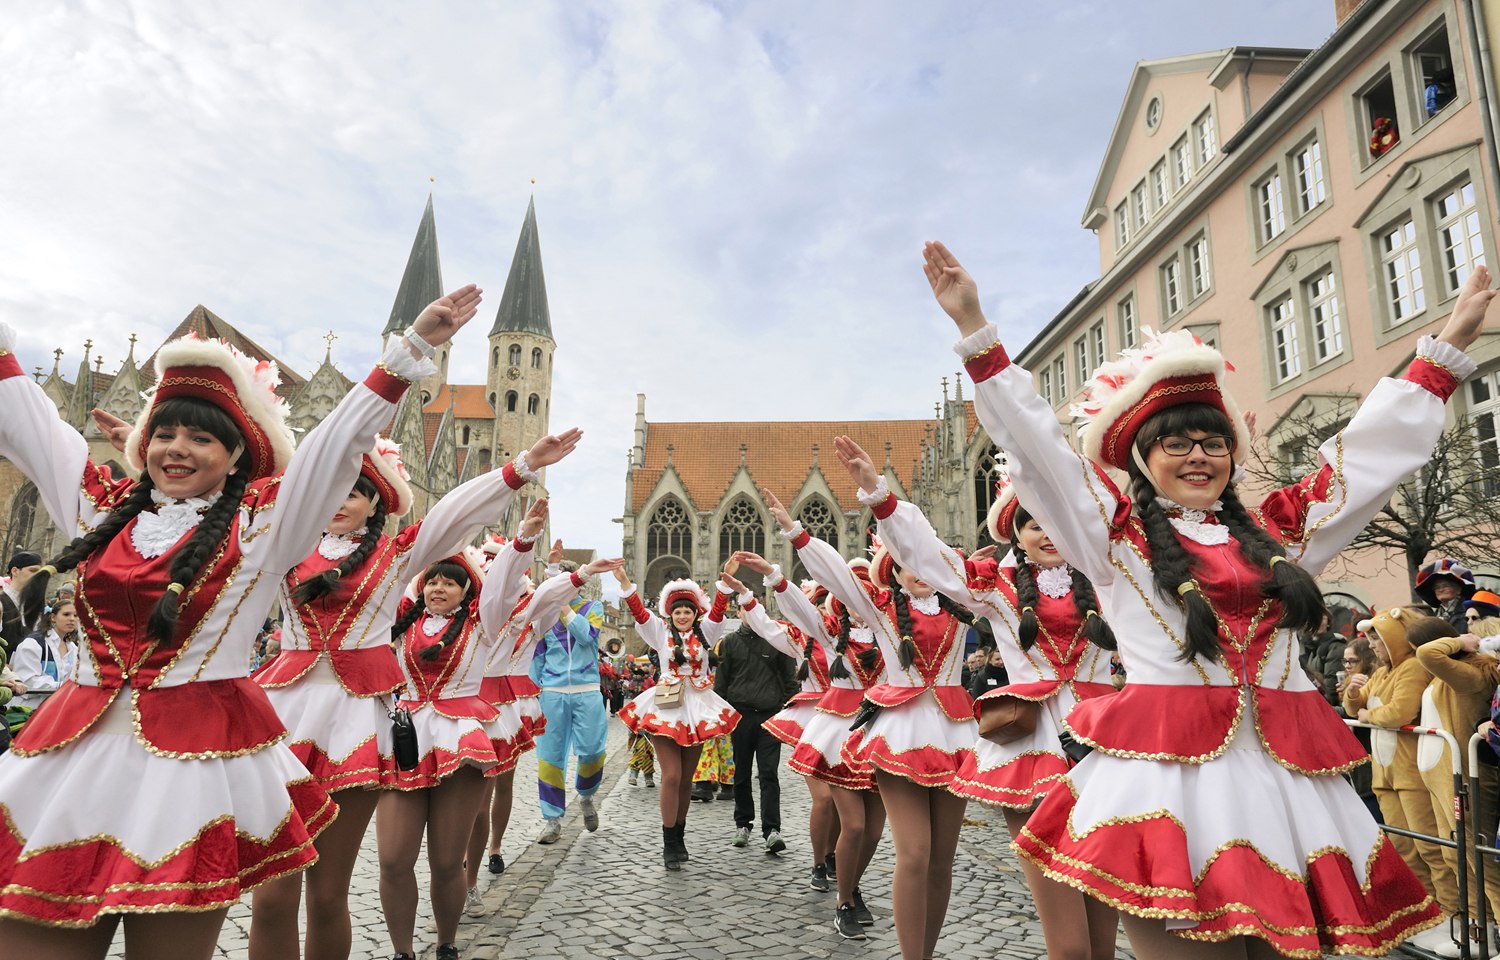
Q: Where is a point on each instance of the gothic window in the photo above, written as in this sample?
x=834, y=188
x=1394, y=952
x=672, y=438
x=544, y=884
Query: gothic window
x=515, y=354
x=533, y=403
x=986, y=475
x=494, y=358
x=742, y=529
x=466, y=436
x=669, y=533
x=536, y=358
x=492, y=401
x=22, y=514
x=818, y=519
x=510, y=401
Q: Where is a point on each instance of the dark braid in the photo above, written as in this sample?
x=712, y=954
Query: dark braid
x=404, y=622
x=1171, y=567
x=325, y=582
x=955, y=610
x=837, y=669
x=1302, y=606
x=906, y=650
x=189, y=560
x=805, y=666
x=1026, y=596
x=1096, y=629
x=34, y=595
x=455, y=628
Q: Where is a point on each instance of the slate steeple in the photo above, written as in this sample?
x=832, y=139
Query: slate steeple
x=523, y=305
x=422, y=282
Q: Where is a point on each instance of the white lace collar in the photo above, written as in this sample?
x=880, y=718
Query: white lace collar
x=1056, y=582
x=929, y=605
x=153, y=534
x=1195, y=524
x=432, y=626
x=861, y=634
x=337, y=546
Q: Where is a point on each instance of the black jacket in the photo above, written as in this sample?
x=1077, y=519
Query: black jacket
x=752, y=674
x=987, y=678
x=12, y=628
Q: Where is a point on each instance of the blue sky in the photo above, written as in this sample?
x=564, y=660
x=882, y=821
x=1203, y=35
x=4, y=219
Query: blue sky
x=731, y=196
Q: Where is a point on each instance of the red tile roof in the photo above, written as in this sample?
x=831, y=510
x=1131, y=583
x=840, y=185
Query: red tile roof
x=470, y=402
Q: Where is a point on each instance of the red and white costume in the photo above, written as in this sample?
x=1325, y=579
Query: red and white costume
x=702, y=714
x=1060, y=669
x=217, y=803
x=1212, y=798
x=789, y=724
x=337, y=667
x=507, y=673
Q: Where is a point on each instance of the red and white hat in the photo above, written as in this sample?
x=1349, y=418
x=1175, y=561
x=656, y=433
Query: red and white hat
x=676, y=591
x=241, y=386
x=1001, y=519
x=491, y=548
x=472, y=561
x=1166, y=370
x=882, y=565
x=383, y=467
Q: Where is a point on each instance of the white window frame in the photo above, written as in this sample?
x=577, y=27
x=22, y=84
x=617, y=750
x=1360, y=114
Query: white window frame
x=1097, y=346
x=1286, y=354
x=1122, y=223
x=1139, y=206
x=1307, y=173
x=1130, y=330
x=1200, y=272
x=1044, y=386
x=1160, y=191
x=1182, y=162
x=1323, y=313
x=1171, y=286
x=1401, y=280
x=1270, y=207
x=1081, y=359
x=1060, y=375
x=1461, y=255
x=1205, y=138
x=1484, y=417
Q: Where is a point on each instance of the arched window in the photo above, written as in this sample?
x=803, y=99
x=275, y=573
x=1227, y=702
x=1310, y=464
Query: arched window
x=669, y=545
x=466, y=436
x=986, y=474
x=426, y=398
x=533, y=403
x=818, y=519
x=494, y=358
x=22, y=514
x=492, y=401
x=515, y=354
x=510, y=401
x=536, y=358
x=743, y=529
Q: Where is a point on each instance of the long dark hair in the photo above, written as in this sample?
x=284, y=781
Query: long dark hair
x=324, y=583
x=1095, y=628
x=679, y=642
x=189, y=559
x=906, y=649
x=1301, y=601
x=458, y=574
x=867, y=658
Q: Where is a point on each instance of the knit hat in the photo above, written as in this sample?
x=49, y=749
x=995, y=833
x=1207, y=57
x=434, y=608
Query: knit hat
x=244, y=388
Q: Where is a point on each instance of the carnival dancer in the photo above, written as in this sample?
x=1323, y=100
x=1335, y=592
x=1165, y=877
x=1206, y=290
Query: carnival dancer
x=812, y=650
x=1210, y=810
x=176, y=574
x=856, y=664
x=1046, y=623
x=681, y=711
x=508, y=686
x=337, y=671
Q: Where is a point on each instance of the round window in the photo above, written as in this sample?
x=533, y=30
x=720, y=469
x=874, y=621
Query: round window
x=1153, y=114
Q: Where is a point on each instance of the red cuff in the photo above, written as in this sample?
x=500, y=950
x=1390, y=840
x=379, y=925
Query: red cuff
x=577, y=580
x=885, y=507
x=386, y=384
x=1433, y=377
x=523, y=546
x=780, y=585
x=987, y=362
x=637, y=609
x=748, y=606
x=721, y=603
x=513, y=478
x=801, y=540
x=10, y=366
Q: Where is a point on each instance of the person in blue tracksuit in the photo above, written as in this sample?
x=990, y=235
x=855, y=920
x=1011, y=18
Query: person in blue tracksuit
x=566, y=667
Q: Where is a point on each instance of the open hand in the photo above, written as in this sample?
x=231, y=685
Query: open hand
x=549, y=450
x=955, y=290
x=555, y=555
x=732, y=583
x=861, y=468
x=1474, y=297
x=730, y=566
x=445, y=316
x=753, y=561
x=596, y=567
x=114, y=429
x=985, y=552
x=622, y=579
x=536, y=518
x=783, y=519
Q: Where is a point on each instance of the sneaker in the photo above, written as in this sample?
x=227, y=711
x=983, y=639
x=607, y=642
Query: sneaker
x=774, y=843
x=590, y=813
x=634, y=778
x=447, y=951
x=831, y=866
x=650, y=780
x=497, y=864
x=819, y=879
x=551, y=830
x=741, y=837
x=861, y=912
x=845, y=924
x=473, y=905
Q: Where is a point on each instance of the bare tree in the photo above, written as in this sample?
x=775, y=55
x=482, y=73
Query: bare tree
x=1450, y=507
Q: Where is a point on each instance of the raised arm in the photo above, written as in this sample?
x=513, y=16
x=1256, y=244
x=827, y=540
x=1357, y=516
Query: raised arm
x=1441, y=657
x=647, y=624
x=754, y=613
x=1075, y=503
x=825, y=564
x=505, y=579
x=326, y=463
x=555, y=592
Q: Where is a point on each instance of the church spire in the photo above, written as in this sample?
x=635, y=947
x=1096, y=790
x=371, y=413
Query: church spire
x=422, y=282
x=523, y=305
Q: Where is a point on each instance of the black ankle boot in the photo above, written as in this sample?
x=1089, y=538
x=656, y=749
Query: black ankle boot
x=669, y=848
x=682, y=851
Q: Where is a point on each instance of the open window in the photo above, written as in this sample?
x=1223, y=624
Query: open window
x=1432, y=63
x=1378, y=105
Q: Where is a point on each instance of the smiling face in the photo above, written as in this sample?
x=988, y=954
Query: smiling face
x=355, y=512
x=191, y=448
x=1033, y=541
x=1446, y=588
x=683, y=615
x=1188, y=452
x=442, y=594
x=913, y=584
x=64, y=619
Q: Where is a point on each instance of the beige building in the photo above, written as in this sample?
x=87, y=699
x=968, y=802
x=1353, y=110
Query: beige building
x=1311, y=213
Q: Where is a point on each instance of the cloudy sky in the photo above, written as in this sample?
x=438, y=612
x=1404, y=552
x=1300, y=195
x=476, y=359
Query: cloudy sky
x=732, y=196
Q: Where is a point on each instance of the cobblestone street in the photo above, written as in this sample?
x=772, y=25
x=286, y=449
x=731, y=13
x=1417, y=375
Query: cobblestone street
x=605, y=895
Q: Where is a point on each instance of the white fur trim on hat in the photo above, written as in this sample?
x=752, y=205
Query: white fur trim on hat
x=682, y=585
x=385, y=459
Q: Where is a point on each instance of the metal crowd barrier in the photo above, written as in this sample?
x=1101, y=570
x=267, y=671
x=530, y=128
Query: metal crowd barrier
x=1459, y=843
